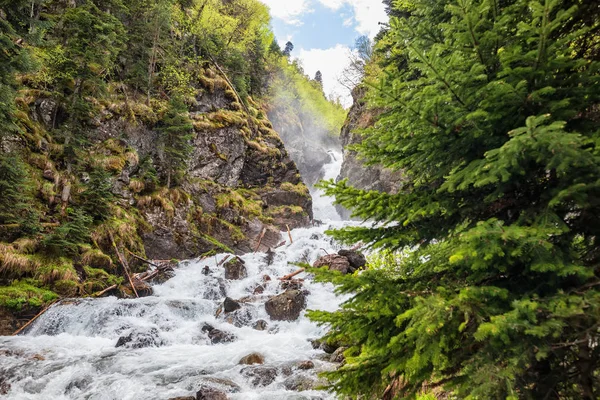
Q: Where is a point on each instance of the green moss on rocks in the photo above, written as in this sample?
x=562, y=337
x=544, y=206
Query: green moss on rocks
x=25, y=293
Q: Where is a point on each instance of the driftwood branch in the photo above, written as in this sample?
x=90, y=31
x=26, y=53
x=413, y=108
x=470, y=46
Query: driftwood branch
x=280, y=244
x=143, y=259
x=293, y=274
x=21, y=329
x=123, y=263
x=100, y=293
x=224, y=259
x=262, y=235
x=289, y=234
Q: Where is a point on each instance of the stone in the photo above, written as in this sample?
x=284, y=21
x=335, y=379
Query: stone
x=260, y=289
x=235, y=270
x=260, y=325
x=356, y=259
x=226, y=385
x=4, y=386
x=291, y=285
x=140, y=339
x=260, y=375
x=218, y=336
x=338, y=355
x=210, y=393
x=252, y=358
x=183, y=398
x=334, y=262
x=230, y=305
x=206, y=270
x=306, y=365
x=286, y=306
x=299, y=383
x=49, y=175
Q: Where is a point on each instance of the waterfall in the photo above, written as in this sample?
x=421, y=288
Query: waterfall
x=165, y=349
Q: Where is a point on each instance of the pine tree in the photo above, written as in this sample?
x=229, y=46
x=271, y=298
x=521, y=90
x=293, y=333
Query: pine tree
x=490, y=286
x=319, y=78
x=287, y=51
x=176, y=132
x=98, y=195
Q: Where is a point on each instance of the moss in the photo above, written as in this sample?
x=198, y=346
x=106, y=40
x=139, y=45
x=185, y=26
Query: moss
x=98, y=279
x=97, y=259
x=264, y=148
x=55, y=269
x=25, y=293
x=243, y=201
x=216, y=243
x=300, y=188
x=66, y=288
x=286, y=210
x=15, y=264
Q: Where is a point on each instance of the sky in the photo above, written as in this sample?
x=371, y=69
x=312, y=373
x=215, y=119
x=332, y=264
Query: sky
x=323, y=33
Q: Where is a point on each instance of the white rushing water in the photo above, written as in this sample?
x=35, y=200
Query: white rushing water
x=70, y=352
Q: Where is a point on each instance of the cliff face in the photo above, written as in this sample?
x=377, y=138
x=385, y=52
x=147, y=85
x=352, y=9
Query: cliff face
x=238, y=187
x=359, y=175
x=307, y=142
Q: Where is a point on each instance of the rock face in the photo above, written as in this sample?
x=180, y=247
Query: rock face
x=286, y=306
x=238, y=175
x=299, y=132
x=358, y=174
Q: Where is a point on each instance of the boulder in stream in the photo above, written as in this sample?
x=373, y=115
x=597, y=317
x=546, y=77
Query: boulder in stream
x=356, y=259
x=141, y=339
x=235, y=269
x=286, y=306
x=210, y=393
x=230, y=305
x=260, y=375
x=334, y=262
x=299, y=383
x=218, y=336
x=253, y=358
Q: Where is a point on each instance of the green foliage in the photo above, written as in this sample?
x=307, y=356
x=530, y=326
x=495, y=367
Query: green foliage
x=25, y=293
x=490, y=113
x=97, y=197
x=16, y=198
x=176, y=133
x=70, y=235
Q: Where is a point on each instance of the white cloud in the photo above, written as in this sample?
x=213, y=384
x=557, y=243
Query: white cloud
x=331, y=62
x=288, y=10
x=367, y=13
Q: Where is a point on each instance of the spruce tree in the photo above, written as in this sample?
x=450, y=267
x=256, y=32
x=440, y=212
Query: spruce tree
x=176, y=132
x=490, y=286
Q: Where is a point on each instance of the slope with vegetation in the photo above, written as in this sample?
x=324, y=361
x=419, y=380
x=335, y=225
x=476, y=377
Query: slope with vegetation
x=139, y=125
x=485, y=283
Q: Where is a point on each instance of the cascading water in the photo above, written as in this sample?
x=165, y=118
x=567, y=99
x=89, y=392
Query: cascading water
x=70, y=352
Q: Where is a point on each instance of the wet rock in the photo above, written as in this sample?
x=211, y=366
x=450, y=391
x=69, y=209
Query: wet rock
x=286, y=306
x=235, y=270
x=223, y=384
x=260, y=325
x=141, y=339
x=259, y=375
x=183, y=398
x=291, y=284
x=4, y=386
x=79, y=384
x=260, y=289
x=209, y=393
x=266, y=278
x=334, y=262
x=218, y=336
x=230, y=305
x=215, y=289
x=253, y=358
x=356, y=259
x=306, y=365
x=338, y=355
x=299, y=383
x=49, y=175
x=206, y=270
x=328, y=348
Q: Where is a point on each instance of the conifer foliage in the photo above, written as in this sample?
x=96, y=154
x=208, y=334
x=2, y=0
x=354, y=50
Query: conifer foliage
x=491, y=286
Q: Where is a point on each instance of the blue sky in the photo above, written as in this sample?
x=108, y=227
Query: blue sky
x=323, y=33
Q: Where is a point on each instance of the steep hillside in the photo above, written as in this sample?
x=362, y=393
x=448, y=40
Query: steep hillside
x=126, y=131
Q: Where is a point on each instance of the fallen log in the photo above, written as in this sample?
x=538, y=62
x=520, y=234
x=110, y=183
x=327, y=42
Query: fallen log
x=123, y=263
x=100, y=293
x=262, y=235
x=34, y=318
x=143, y=259
x=290, y=234
x=290, y=276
